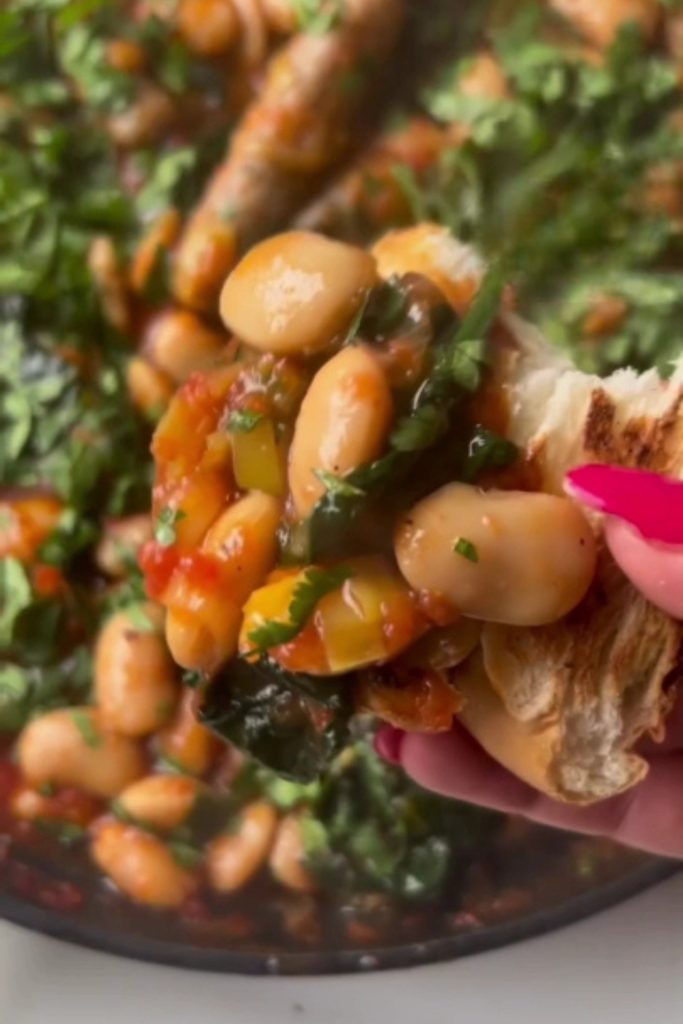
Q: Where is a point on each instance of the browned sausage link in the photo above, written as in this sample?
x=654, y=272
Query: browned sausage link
x=369, y=197
x=291, y=136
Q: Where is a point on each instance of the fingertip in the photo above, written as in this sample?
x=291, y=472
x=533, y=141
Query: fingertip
x=454, y=765
x=655, y=569
x=388, y=742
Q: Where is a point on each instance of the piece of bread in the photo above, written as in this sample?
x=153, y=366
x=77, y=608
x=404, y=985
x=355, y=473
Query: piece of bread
x=564, y=706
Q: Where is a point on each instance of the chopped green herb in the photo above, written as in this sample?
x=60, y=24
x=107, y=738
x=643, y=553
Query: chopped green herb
x=194, y=678
x=319, y=16
x=467, y=362
x=185, y=855
x=164, y=528
x=548, y=177
x=120, y=812
x=66, y=832
x=87, y=729
x=243, y=421
x=354, y=327
x=487, y=451
x=316, y=583
x=466, y=548
x=171, y=764
x=15, y=597
x=14, y=692
x=420, y=429
x=139, y=618
x=337, y=484
x=72, y=535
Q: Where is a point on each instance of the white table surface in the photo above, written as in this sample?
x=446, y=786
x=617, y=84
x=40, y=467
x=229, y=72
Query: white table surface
x=623, y=965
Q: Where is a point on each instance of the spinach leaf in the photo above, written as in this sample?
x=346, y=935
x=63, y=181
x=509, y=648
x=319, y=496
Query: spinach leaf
x=292, y=723
x=486, y=451
x=368, y=830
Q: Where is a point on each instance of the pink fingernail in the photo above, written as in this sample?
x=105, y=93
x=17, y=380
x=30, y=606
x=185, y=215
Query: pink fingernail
x=650, y=502
x=388, y=742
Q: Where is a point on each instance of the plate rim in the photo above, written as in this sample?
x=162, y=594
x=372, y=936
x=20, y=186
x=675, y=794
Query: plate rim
x=143, y=949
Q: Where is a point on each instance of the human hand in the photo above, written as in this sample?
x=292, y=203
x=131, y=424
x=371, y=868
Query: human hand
x=650, y=552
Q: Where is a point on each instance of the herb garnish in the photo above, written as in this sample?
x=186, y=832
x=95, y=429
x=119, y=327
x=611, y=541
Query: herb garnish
x=314, y=585
x=164, y=528
x=337, y=484
x=88, y=732
x=243, y=421
x=466, y=548
x=193, y=678
x=184, y=854
x=319, y=16
x=557, y=177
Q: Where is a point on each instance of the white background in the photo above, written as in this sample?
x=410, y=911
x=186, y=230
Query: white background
x=625, y=965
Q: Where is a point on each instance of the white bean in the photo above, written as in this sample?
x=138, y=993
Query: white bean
x=287, y=857
x=135, y=680
x=140, y=865
x=501, y=556
x=160, y=801
x=296, y=293
x=343, y=423
x=232, y=860
x=71, y=747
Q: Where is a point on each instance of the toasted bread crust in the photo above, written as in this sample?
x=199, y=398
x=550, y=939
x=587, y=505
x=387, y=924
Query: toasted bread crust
x=586, y=689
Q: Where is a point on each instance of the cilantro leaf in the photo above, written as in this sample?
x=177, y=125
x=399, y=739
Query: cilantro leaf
x=337, y=484
x=88, y=732
x=316, y=583
x=15, y=597
x=466, y=548
x=486, y=451
x=194, y=678
x=184, y=854
x=318, y=16
x=164, y=528
x=14, y=690
x=420, y=429
x=243, y=421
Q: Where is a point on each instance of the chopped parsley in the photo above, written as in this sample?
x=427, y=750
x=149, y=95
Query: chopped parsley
x=315, y=584
x=243, y=421
x=84, y=724
x=65, y=832
x=337, y=484
x=184, y=854
x=466, y=548
x=555, y=177
x=139, y=618
x=164, y=528
x=319, y=16
x=15, y=597
x=486, y=451
x=194, y=678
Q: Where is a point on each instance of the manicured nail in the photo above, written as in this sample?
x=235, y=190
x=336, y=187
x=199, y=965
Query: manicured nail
x=652, y=503
x=388, y=742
